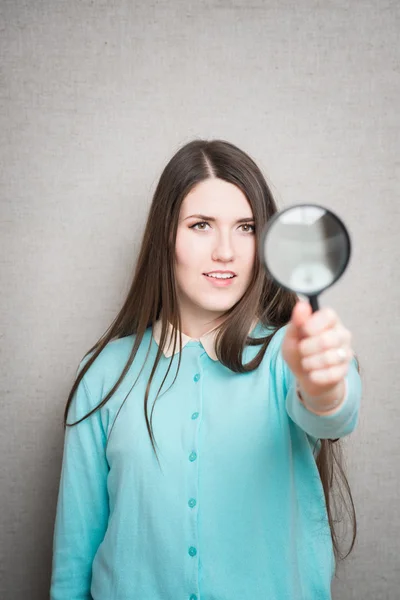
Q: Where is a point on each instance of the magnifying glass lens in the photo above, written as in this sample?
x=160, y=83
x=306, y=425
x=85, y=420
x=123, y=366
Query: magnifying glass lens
x=305, y=248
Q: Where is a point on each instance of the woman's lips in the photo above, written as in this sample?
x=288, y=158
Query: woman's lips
x=220, y=282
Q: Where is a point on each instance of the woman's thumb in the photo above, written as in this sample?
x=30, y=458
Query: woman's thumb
x=300, y=314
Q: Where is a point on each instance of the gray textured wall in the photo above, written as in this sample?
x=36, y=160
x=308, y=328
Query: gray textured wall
x=95, y=97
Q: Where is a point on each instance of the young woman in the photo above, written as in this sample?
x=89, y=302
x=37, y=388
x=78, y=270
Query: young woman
x=204, y=425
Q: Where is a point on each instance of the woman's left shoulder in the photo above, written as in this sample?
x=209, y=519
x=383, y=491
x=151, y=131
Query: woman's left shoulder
x=276, y=332
x=263, y=331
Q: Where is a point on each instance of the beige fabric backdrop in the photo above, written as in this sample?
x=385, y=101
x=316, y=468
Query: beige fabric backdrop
x=95, y=97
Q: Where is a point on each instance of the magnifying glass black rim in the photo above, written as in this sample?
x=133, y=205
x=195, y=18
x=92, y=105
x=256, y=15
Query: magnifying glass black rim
x=271, y=222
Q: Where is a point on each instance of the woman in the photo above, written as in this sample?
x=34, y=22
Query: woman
x=202, y=426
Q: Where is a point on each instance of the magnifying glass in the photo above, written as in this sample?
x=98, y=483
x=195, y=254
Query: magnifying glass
x=305, y=248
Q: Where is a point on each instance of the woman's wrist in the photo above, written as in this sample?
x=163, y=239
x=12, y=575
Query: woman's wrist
x=324, y=404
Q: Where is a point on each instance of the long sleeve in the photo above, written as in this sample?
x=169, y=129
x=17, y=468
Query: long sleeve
x=82, y=506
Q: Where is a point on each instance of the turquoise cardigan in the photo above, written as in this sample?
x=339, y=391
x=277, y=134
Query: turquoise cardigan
x=234, y=510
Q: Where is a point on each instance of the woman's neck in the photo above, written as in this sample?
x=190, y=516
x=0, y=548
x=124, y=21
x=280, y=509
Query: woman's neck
x=195, y=327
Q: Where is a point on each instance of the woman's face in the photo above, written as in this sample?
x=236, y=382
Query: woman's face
x=215, y=234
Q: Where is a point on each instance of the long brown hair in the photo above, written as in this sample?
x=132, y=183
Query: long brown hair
x=152, y=294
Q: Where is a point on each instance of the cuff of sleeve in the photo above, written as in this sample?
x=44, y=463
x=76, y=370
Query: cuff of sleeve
x=334, y=424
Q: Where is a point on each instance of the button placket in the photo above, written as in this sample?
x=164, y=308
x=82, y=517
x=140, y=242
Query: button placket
x=193, y=458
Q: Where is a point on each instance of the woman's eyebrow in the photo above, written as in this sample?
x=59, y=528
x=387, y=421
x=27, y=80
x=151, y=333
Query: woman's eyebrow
x=205, y=218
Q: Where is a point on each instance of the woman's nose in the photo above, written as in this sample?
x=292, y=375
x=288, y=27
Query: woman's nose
x=223, y=249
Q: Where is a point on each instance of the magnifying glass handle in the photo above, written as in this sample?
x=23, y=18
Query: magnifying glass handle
x=314, y=303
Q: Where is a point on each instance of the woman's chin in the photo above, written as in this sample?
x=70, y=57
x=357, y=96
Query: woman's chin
x=217, y=307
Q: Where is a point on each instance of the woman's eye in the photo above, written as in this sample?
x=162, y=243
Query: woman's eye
x=252, y=227
x=200, y=223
